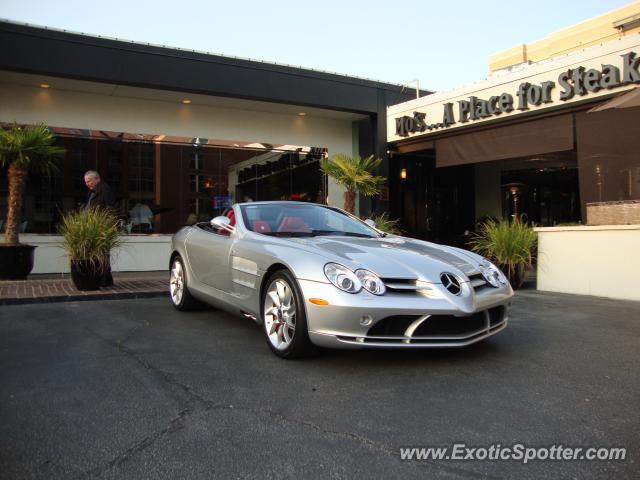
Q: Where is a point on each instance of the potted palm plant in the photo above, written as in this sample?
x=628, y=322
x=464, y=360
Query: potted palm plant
x=356, y=174
x=22, y=150
x=89, y=236
x=511, y=245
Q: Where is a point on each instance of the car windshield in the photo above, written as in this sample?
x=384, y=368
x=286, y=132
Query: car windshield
x=302, y=220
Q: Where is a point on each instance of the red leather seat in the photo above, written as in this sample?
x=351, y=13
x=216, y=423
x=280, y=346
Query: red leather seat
x=261, y=226
x=232, y=217
x=293, y=224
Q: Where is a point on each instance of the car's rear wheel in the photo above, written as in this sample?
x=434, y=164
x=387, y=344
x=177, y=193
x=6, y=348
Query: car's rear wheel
x=178, y=289
x=284, y=318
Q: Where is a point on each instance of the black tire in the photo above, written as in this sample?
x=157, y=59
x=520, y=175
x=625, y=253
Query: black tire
x=293, y=342
x=178, y=281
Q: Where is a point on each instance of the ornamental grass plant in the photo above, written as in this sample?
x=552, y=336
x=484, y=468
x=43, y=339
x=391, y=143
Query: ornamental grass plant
x=511, y=245
x=89, y=235
x=385, y=224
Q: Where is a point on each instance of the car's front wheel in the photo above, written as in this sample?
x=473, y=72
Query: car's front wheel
x=284, y=319
x=180, y=296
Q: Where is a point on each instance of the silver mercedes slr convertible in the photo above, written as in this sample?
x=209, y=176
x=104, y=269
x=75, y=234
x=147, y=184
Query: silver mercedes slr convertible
x=316, y=276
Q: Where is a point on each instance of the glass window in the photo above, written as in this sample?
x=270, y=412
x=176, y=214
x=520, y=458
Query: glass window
x=161, y=186
x=542, y=189
x=608, y=146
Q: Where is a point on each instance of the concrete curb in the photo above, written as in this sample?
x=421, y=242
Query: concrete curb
x=82, y=298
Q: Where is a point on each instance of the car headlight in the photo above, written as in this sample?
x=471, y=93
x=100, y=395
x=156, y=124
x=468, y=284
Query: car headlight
x=371, y=282
x=492, y=274
x=342, y=277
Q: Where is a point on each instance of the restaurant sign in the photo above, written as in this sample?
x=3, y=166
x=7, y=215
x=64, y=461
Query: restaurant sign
x=573, y=83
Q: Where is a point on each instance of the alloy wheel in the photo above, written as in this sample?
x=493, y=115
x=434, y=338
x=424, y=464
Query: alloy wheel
x=176, y=285
x=280, y=314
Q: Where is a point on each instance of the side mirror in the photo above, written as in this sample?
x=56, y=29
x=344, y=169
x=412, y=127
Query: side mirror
x=370, y=222
x=223, y=223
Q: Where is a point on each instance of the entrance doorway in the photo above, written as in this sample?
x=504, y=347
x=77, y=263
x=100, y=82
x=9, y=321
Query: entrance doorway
x=411, y=177
x=543, y=191
x=435, y=204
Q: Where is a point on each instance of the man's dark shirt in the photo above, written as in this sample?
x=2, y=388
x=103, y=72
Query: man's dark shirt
x=101, y=196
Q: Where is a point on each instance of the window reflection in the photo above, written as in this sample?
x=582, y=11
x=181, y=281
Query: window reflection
x=162, y=185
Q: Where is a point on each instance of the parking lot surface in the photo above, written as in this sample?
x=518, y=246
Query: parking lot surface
x=134, y=389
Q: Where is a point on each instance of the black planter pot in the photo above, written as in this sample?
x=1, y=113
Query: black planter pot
x=16, y=261
x=85, y=275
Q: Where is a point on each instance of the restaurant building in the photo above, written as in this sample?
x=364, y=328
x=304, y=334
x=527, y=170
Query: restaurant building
x=178, y=135
x=550, y=133
x=551, y=136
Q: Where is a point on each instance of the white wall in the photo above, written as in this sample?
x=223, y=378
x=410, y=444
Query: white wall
x=601, y=261
x=99, y=111
x=139, y=253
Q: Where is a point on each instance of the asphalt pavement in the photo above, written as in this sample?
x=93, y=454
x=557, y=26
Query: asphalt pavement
x=134, y=389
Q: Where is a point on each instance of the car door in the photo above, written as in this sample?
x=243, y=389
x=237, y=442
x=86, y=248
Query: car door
x=209, y=254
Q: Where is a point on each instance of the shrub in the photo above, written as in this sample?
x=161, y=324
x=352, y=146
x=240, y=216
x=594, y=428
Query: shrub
x=89, y=236
x=385, y=224
x=511, y=245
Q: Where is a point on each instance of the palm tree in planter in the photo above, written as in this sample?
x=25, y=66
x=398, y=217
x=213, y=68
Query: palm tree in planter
x=355, y=174
x=22, y=150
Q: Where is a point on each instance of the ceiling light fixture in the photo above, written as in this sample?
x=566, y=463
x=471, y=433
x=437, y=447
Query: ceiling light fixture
x=44, y=85
x=186, y=101
x=302, y=114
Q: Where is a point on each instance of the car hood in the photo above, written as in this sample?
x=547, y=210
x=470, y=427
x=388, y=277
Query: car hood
x=393, y=257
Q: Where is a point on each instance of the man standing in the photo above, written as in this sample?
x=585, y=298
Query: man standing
x=100, y=195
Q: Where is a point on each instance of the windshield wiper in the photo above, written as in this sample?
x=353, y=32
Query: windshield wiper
x=318, y=233
x=356, y=234
x=289, y=234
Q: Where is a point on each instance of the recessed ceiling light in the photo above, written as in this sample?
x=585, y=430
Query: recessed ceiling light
x=186, y=101
x=44, y=85
x=302, y=114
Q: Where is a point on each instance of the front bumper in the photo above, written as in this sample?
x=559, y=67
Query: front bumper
x=404, y=320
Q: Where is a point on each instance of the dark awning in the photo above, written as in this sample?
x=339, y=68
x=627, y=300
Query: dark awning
x=628, y=99
x=417, y=146
x=536, y=137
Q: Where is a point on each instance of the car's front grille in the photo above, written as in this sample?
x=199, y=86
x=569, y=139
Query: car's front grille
x=392, y=326
x=450, y=325
x=496, y=315
x=427, y=328
x=477, y=281
x=405, y=285
x=411, y=285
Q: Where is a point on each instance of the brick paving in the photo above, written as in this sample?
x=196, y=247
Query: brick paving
x=60, y=288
